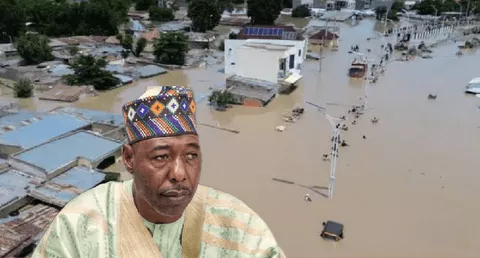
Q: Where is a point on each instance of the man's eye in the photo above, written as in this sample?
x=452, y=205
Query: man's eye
x=192, y=156
x=162, y=157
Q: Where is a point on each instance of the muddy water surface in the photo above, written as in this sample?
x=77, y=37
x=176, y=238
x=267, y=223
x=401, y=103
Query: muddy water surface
x=409, y=190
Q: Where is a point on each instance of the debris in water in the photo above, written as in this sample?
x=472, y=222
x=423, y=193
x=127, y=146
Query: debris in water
x=280, y=128
x=431, y=96
x=364, y=137
x=294, y=115
x=374, y=120
x=332, y=230
x=307, y=198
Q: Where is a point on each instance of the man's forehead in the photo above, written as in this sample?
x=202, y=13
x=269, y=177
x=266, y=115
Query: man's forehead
x=190, y=140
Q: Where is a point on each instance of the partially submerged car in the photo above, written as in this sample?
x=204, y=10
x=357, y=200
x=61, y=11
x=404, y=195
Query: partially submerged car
x=473, y=86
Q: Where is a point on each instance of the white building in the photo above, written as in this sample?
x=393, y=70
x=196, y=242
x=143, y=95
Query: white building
x=268, y=60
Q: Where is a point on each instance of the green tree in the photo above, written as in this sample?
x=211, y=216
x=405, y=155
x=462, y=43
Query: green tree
x=127, y=42
x=232, y=35
x=171, y=48
x=90, y=71
x=23, y=88
x=161, y=14
x=301, y=11
x=73, y=50
x=205, y=14
x=34, y=48
x=221, y=98
x=140, y=46
x=380, y=12
x=12, y=19
x=263, y=12
x=143, y=5
x=221, y=47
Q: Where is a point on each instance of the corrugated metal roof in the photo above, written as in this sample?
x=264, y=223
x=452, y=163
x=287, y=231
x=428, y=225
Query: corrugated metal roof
x=41, y=131
x=67, y=149
x=94, y=115
x=14, y=185
x=61, y=70
x=123, y=78
x=20, y=231
x=63, y=188
x=12, y=121
x=115, y=68
x=150, y=70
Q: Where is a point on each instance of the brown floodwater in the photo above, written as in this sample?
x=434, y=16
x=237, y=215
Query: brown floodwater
x=409, y=190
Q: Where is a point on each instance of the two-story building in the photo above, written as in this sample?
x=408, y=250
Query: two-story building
x=274, y=54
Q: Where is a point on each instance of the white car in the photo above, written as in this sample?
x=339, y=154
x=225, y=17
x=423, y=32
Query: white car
x=473, y=86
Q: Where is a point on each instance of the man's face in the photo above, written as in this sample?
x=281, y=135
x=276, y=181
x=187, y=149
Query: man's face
x=166, y=171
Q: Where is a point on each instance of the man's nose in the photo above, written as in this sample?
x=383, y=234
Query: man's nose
x=178, y=173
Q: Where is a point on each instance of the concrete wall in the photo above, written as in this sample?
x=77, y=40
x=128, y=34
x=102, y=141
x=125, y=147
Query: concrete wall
x=232, y=45
x=102, y=128
x=27, y=168
x=322, y=4
x=118, y=134
x=259, y=63
x=7, y=150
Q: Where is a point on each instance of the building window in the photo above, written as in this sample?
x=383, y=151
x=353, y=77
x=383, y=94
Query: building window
x=291, y=63
x=299, y=52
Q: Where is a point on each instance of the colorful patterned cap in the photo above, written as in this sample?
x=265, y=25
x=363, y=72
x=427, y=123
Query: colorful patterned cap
x=160, y=112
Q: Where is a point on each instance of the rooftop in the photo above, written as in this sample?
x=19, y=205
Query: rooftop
x=43, y=130
x=257, y=89
x=267, y=46
x=22, y=230
x=63, y=188
x=12, y=121
x=80, y=144
x=150, y=70
x=14, y=186
x=93, y=115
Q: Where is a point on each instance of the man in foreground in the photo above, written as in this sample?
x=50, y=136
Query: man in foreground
x=163, y=211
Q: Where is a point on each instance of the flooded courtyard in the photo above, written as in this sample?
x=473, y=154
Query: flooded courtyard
x=410, y=189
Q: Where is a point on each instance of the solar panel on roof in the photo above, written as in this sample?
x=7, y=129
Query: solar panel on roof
x=255, y=31
x=274, y=31
x=246, y=31
x=280, y=32
x=269, y=31
x=260, y=31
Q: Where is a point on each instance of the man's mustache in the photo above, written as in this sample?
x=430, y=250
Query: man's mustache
x=176, y=188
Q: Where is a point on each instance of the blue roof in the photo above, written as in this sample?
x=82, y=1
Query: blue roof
x=67, y=149
x=68, y=185
x=124, y=79
x=137, y=25
x=13, y=185
x=150, y=70
x=16, y=119
x=94, y=115
x=115, y=68
x=61, y=70
x=41, y=131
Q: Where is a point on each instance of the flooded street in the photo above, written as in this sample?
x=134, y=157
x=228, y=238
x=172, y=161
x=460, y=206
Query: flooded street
x=409, y=190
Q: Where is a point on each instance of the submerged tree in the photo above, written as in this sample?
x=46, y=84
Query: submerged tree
x=264, y=12
x=90, y=71
x=221, y=98
x=171, y=48
x=23, y=88
x=205, y=14
x=34, y=48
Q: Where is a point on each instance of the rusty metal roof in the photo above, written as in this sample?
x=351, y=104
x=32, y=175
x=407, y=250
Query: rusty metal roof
x=20, y=231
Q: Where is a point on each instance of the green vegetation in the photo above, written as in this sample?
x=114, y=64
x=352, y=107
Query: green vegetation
x=171, y=48
x=140, y=46
x=73, y=50
x=232, y=35
x=397, y=6
x=161, y=14
x=205, y=14
x=301, y=11
x=62, y=17
x=34, y=48
x=221, y=98
x=143, y=5
x=90, y=71
x=263, y=12
x=221, y=47
x=23, y=88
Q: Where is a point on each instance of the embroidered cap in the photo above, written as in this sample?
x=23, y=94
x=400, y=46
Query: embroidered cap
x=161, y=111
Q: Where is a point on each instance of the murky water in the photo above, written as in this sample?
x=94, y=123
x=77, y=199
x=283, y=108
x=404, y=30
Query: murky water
x=409, y=190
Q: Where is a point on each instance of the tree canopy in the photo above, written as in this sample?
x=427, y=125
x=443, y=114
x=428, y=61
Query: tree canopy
x=62, y=17
x=90, y=71
x=143, y=5
x=437, y=7
x=301, y=11
x=263, y=12
x=205, y=14
x=161, y=14
x=171, y=48
x=23, y=88
x=34, y=48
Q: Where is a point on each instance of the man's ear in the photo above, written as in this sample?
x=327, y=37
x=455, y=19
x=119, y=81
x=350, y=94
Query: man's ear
x=127, y=156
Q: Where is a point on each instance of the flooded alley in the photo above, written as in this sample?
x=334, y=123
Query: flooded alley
x=410, y=189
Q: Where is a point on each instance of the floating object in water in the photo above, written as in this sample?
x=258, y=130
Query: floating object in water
x=307, y=198
x=280, y=128
x=431, y=96
x=332, y=230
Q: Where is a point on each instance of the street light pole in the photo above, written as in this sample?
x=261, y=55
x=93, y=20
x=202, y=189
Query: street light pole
x=336, y=136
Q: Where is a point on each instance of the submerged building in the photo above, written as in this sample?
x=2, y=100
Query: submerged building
x=47, y=159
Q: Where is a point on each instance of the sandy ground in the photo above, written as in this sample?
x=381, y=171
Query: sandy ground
x=409, y=190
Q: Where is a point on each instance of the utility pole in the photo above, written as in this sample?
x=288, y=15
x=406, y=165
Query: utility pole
x=334, y=153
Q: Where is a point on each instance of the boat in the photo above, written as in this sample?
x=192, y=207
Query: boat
x=358, y=68
x=473, y=86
